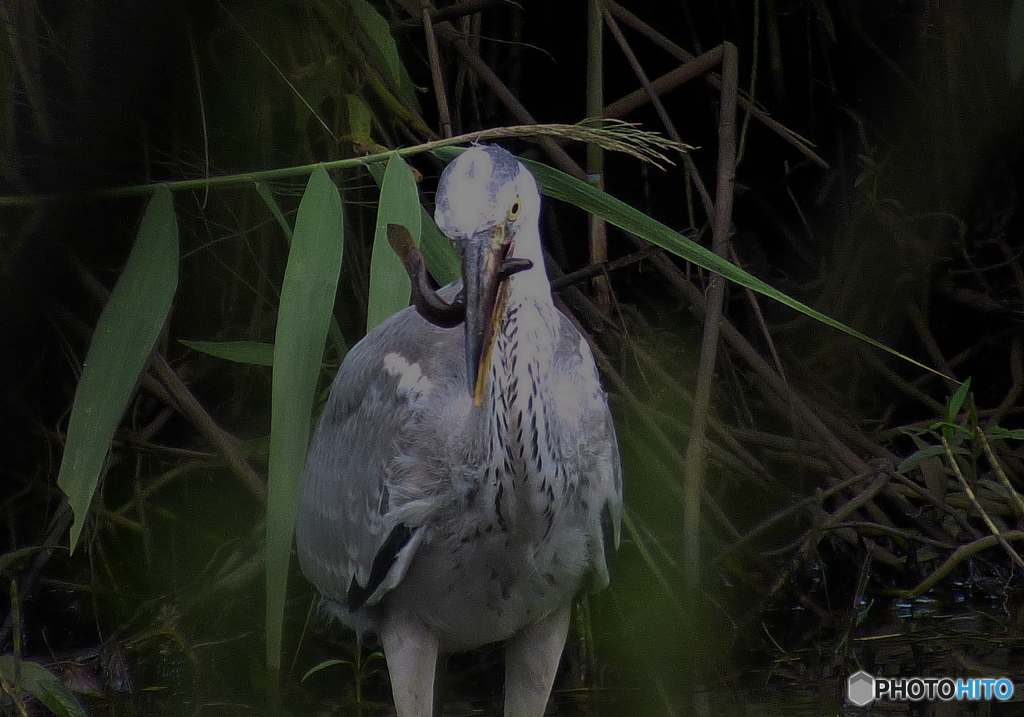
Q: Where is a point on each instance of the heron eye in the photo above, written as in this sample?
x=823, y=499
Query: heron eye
x=513, y=211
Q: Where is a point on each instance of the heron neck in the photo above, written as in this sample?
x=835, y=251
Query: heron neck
x=519, y=410
x=532, y=283
x=524, y=350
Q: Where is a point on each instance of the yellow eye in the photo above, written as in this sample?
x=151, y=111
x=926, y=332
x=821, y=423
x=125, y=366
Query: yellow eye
x=513, y=211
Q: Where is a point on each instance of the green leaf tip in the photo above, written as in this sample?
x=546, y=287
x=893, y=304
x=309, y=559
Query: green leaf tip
x=125, y=334
x=307, y=305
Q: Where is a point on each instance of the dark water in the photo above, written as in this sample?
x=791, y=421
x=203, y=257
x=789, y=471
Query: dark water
x=177, y=637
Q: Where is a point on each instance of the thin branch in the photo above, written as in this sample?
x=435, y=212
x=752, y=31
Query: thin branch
x=844, y=459
x=468, y=7
x=652, y=94
x=604, y=267
x=669, y=81
x=225, y=443
x=693, y=471
x=435, y=70
x=801, y=144
x=977, y=506
x=598, y=228
x=998, y=468
x=959, y=555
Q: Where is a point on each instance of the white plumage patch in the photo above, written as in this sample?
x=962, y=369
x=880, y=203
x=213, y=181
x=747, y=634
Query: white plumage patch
x=411, y=382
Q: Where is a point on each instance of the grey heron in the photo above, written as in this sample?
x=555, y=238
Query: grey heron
x=460, y=480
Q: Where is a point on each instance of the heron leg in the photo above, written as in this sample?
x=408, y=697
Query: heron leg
x=411, y=650
x=531, y=661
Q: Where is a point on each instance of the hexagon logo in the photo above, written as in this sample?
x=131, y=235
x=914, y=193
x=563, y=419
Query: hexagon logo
x=860, y=688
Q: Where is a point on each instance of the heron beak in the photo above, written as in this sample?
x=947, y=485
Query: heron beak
x=486, y=294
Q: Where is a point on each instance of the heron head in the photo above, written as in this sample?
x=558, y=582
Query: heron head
x=488, y=205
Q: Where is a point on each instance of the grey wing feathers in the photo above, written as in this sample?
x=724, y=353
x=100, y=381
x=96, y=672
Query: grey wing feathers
x=597, y=452
x=349, y=542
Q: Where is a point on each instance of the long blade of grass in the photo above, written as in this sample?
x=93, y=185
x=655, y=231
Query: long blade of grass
x=334, y=330
x=307, y=301
x=399, y=204
x=569, y=189
x=125, y=335
x=560, y=185
x=256, y=353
